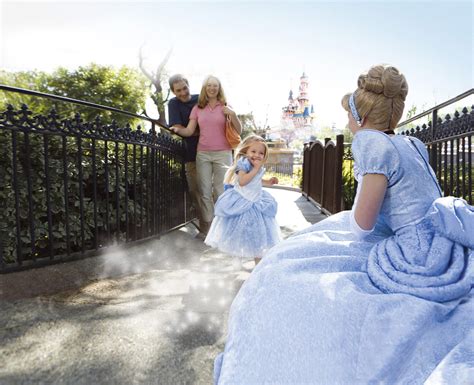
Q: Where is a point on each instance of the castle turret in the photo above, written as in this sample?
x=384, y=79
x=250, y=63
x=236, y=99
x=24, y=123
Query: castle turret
x=303, y=95
x=299, y=111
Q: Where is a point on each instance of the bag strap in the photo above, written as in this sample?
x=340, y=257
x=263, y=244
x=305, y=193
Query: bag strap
x=229, y=121
x=228, y=118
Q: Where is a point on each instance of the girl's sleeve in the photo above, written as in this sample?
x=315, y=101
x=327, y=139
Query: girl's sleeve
x=374, y=153
x=243, y=164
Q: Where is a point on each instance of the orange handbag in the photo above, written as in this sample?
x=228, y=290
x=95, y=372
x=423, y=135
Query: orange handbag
x=231, y=133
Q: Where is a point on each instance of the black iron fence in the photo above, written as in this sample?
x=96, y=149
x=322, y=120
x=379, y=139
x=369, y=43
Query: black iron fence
x=288, y=174
x=69, y=188
x=449, y=141
x=349, y=183
x=280, y=168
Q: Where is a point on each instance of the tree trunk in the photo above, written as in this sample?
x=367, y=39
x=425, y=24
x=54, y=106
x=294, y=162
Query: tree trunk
x=156, y=79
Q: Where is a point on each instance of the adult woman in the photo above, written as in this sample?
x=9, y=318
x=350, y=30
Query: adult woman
x=214, y=154
x=381, y=294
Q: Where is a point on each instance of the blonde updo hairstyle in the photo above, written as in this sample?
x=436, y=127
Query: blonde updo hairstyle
x=380, y=96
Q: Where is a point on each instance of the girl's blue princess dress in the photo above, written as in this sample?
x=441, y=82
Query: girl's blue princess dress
x=244, y=224
x=326, y=308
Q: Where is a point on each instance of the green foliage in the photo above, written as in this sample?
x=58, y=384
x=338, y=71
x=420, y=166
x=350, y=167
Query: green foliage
x=348, y=184
x=295, y=180
x=411, y=112
x=450, y=184
x=123, y=88
x=347, y=135
x=453, y=184
x=297, y=144
x=31, y=80
x=299, y=176
x=136, y=199
x=248, y=124
x=325, y=132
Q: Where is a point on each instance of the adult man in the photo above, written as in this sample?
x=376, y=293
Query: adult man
x=179, y=109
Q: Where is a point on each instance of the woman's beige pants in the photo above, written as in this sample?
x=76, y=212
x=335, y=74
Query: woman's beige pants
x=211, y=167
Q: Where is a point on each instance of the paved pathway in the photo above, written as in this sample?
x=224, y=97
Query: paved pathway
x=151, y=314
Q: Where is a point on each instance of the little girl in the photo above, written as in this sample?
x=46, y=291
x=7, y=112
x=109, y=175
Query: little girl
x=244, y=224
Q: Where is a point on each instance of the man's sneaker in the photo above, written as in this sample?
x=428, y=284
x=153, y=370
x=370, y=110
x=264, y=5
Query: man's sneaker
x=204, y=226
x=201, y=236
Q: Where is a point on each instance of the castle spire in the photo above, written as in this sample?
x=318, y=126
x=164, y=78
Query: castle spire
x=300, y=111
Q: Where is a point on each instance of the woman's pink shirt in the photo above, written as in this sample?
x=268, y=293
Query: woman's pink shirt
x=211, y=128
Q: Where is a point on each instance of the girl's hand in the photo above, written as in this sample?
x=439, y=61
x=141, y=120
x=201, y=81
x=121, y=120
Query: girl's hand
x=256, y=162
x=228, y=111
x=273, y=180
x=175, y=129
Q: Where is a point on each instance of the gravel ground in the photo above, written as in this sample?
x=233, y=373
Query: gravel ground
x=152, y=314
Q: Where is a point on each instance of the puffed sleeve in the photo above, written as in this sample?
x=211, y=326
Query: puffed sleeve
x=374, y=153
x=243, y=164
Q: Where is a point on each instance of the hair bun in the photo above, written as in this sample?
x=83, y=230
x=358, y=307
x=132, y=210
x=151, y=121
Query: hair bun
x=370, y=83
x=384, y=79
x=394, y=83
x=380, y=96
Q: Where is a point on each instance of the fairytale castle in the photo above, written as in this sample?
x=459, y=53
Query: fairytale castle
x=299, y=111
x=296, y=123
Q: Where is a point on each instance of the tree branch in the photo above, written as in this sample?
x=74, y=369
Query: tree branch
x=142, y=67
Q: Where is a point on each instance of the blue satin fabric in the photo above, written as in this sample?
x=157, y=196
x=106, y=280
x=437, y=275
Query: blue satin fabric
x=324, y=307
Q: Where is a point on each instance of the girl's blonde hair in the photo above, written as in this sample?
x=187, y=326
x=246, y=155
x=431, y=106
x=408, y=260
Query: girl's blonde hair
x=380, y=96
x=203, y=100
x=241, y=151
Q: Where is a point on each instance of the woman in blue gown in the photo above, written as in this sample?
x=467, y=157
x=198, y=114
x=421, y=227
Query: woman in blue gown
x=378, y=295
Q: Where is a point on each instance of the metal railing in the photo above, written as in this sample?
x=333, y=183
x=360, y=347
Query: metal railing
x=280, y=168
x=449, y=142
x=289, y=174
x=349, y=183
x=69, y=188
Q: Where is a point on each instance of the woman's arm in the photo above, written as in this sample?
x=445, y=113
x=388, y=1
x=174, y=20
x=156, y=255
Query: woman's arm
x=185, y=131
x=236, y=123
x=368, y=203
x=233, y=117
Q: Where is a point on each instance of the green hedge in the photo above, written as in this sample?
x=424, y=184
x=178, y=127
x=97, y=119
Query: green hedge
x=167, y=198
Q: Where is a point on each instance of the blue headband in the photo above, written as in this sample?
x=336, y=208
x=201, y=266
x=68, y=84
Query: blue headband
x=353, y=108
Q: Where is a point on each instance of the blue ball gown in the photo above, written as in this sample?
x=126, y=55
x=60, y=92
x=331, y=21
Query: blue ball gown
x=394, y=308
x=244, y=223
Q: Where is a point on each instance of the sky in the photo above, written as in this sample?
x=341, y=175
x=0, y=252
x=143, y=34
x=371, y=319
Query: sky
x=258, y=49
